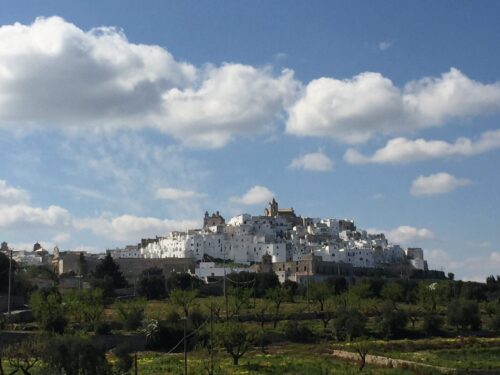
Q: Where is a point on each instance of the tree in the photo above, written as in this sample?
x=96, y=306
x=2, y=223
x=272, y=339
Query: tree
x=131, y=313
x=73, y=355
x=82, y=265
x=107, y=269
x=319, y=292
x=391, y=321
x=291, y=288
x=240, y=297
x=48, y=310
x=362, y=289
x=184, y=299
x=277, y=296
x=183, y=281
x=263, y=282
x=235, y=338
x=392, y=291
x=337, y=284
x=262, y=312
x=328, y=312
x=349, y=324
x=152, y=284
x=464, y=314
x=4, y=272
x=432, y=323
x=124, y=360
x=23, y=356
x=428, y=295
x=362, y=348
x=85, y=307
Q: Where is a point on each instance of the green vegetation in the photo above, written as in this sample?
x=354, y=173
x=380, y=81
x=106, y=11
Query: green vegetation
x=261, y=326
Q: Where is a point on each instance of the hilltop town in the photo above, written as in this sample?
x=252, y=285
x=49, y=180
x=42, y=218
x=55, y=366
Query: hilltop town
x=293, y=246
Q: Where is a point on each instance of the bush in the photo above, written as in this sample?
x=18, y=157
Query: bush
x=72, y=355
x=183, y=281
x=432, y=323
x=48, y=310
x=297, y=332
x=131, y=313
x=211, y=289
x=165, y=336
x=172, y=317
x=196, y=318
x=103, y=328
x=464, y=314
x=349, y=324
x=338, y=284
x=391, y=321
x=152, y=284
x=124, y=360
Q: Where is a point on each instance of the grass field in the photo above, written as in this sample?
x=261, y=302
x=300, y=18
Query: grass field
x=290, y=359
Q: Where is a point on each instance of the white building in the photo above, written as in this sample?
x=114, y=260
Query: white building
x=282, y=235
x=209, y=269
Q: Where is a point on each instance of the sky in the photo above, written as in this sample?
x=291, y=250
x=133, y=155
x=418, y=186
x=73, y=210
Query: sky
x=121, y=120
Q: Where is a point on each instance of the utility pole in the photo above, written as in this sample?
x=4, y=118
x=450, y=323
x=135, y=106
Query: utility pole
x=212, y=338
x=10, y=287
x=224, y=287
x=307, y=289
x=185, y=347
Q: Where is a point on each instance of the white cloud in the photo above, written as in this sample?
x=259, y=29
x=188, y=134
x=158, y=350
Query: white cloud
x=438, y=183
x=53, y=74
x=473, y=268
x=316, y=161
x=232, y=100
x=403, y=150
x=385, y=45
x=354, y=110
x=177, y=194
x=61, y=238
x=21, y=214
x=11, y=195
x=406, y=234
x=256, y=195
x=132, y=228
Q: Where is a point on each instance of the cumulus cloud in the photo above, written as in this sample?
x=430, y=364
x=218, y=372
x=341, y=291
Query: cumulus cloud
x=406, y=234
x=233, y=100
x=53, y=74
x=256, y=195
x=16, y=210
x=403, y=150
x=438, y=183
x=177, y=194
x=22, y=214
x=316, y=161
x=354, y=110
x=473, y=268
x=132, y=228
x=12, y=195
x=61, y=238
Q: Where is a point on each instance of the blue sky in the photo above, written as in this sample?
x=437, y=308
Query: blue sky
x=121, y=120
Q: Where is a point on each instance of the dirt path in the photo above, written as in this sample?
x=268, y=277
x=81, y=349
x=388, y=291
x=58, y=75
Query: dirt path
x=391, y=362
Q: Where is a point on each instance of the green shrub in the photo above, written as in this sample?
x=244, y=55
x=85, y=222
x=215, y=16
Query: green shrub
x=131, y=313
x=297, y=332
x=349, y=324
x=103, y=328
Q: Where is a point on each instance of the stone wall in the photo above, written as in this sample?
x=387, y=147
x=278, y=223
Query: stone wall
x=132, y=267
